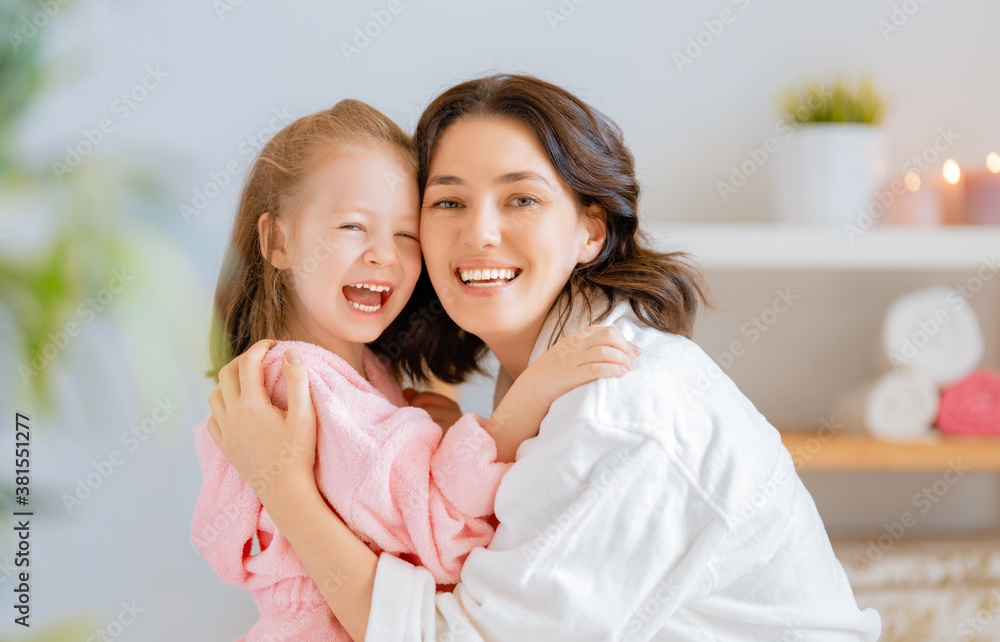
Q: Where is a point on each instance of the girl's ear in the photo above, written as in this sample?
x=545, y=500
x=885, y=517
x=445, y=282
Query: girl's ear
x=273, y=249
x=595, y=222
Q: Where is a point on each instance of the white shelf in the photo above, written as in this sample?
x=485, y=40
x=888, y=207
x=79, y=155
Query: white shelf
x=763, y=246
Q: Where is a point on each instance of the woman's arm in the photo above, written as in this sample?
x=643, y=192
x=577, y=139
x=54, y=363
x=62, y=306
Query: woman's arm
x=274, y=451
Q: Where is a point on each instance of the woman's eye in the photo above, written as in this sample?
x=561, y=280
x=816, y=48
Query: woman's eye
x=524, y=201
x=446, y=203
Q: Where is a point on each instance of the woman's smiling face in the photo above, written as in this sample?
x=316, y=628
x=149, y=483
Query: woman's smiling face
x=500, y=230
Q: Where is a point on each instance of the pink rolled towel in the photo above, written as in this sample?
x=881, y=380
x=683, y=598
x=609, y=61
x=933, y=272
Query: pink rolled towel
x=386, y=469
x=972, y=405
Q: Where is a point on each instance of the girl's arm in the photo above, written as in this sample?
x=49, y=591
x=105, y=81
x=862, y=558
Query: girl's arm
x=594, y=352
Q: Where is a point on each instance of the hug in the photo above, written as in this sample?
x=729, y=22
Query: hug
x=608, y=496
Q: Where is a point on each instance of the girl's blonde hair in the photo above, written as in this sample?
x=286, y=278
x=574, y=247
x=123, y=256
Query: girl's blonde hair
x=252, y=299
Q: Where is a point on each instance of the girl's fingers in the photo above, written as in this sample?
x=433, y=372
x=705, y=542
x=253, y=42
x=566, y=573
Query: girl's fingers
x=605, y=335
x=300, y=407
x=606, y=354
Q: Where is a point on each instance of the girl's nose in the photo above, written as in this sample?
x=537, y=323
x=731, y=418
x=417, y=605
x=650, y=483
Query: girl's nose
x=382, y=252
x=481, y=228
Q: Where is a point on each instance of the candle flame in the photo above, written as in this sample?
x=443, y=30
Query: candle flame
x=993, y=162
x=912, y=181
x=951, y=172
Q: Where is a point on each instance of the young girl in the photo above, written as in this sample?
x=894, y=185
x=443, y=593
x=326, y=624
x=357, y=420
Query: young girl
x=325, y=255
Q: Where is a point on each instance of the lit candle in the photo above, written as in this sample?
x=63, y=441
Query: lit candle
x=915, y=204
x=952, y=193
x=982, y=193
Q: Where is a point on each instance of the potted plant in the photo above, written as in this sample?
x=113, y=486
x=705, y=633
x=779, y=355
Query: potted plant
x=834, y=157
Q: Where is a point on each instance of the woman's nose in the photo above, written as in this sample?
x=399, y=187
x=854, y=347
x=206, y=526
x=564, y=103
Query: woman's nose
x=481, y=228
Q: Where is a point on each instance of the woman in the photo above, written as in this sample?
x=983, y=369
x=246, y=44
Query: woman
x=660, y=505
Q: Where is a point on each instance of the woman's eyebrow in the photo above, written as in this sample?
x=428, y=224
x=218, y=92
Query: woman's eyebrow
x=511, y=177
x=514, y=177
x=444, y=180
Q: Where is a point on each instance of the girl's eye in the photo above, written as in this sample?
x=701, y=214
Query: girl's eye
x=524, y=201
x=350, y=226
x=409, y=236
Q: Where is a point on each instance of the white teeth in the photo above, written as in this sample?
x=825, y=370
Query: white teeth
x=365, y=308
x=482, y=275
x=373, y=288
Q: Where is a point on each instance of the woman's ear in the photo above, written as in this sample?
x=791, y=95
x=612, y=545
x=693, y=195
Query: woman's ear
x=595, y=221
x=273, y=249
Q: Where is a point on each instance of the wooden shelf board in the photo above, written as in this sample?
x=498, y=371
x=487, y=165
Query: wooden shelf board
x=812, y=450
x=763, y=246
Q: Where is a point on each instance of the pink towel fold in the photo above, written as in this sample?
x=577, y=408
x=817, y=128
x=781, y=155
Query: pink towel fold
x=386, y=469
x=971, y=406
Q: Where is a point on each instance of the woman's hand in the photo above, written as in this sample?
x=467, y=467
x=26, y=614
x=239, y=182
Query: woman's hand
x=265, y=444
x=444, y=411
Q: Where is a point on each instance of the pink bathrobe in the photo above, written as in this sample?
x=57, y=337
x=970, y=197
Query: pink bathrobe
x=382, y=465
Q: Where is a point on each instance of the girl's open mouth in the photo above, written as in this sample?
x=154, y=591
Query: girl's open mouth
x=367, y=297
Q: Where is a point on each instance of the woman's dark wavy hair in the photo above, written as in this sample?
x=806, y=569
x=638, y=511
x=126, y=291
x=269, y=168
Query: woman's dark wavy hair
x=588, y=152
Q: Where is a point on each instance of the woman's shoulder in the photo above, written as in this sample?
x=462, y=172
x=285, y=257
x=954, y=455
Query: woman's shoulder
x=679, y=397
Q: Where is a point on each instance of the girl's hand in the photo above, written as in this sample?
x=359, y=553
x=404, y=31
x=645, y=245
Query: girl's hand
x=266, y=445
x=594, y=352
x=444, y=411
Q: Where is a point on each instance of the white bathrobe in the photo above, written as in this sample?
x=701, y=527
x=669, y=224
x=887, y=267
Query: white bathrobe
x=656, y=506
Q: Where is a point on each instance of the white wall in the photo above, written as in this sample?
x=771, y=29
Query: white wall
x=227, y=75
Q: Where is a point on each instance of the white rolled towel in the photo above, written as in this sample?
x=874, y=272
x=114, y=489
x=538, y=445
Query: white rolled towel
x=897, y=405
x=934, y=331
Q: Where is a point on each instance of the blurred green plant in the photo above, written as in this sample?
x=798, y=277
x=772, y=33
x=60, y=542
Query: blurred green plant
x=20, y=72
x=84, y=219
x=844, y=102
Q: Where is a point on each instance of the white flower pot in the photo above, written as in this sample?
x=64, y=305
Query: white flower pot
x=827, y=173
